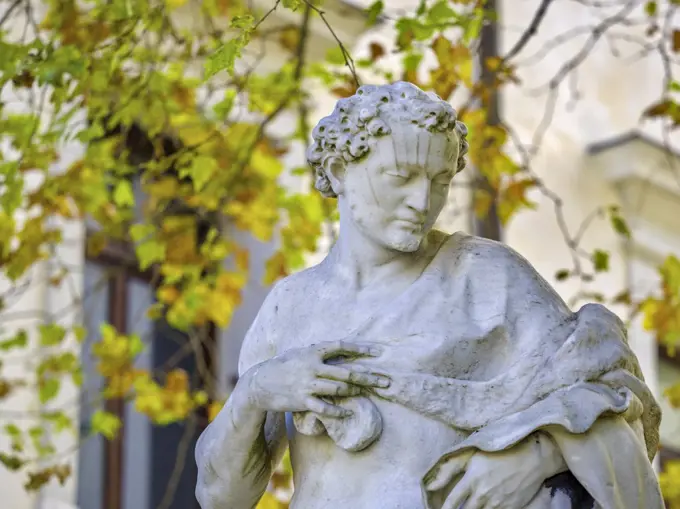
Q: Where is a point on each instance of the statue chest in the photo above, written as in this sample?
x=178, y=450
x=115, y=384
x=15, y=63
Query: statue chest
x=437, y=338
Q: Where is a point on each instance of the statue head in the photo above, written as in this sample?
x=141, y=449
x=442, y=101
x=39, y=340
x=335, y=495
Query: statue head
x=389, y=153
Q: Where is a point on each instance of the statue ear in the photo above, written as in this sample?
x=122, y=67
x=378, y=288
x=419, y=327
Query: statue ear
x=335, y=171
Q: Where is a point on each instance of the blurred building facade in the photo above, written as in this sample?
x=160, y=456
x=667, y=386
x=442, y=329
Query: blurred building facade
x=595, y=152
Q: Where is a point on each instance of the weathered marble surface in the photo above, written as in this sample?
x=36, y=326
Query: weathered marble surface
x=413, y=369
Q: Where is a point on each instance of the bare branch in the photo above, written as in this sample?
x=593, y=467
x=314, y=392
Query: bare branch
x=180, y=461
x=9, y=11
x=531, y=30
x=349, y=62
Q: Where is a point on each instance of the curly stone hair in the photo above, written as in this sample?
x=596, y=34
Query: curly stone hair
x=369, y=112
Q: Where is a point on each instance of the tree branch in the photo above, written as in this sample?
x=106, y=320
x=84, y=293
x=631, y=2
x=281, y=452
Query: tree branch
x=531, y=30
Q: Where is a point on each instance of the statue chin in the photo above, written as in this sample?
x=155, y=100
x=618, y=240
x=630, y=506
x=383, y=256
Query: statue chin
x=406, y=244
x=401, y=240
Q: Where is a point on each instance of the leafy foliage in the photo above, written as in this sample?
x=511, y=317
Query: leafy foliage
x=174, y=124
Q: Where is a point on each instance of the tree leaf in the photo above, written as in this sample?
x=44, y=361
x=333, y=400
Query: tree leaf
x=51, y=334
x=440, y=12
x=650, y=8
x=292, y=4
x=105, y=424
x=601, y=260
x=377, y=51
x=20, y=340
x=225, y=57
x=373, y=12
x=11, y=462
x=562, y=274
x=150, y=252
x=123, y=194
x=48, y=389
x=620, y=225
x=335, y=56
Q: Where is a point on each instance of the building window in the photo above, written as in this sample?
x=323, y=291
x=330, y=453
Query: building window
x=145, y=466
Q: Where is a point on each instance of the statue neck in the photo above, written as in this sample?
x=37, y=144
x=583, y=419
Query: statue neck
x=362, y=261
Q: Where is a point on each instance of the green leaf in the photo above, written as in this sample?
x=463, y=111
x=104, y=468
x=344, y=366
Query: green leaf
x=292, y=4
x=562, y=274
x=59, y=420
x=441, y=12
x=224, y=107
x=620, y=225
x=49, y=389
x=670, y=273
x=150, y=252
x=244, y=22
x=202, y=169
x=225, y=57
x=473, y=27
x=80, y=333
x=650, y=8
x=136, y=345
x=105, y=424
x=51, y=334
x=11, y=462
x=411, y=61
x=140, y=231
x=123, y=194
x=373, y=12
x=601, y=260
x=335, y=56
x=20, y=340
x=13, y=431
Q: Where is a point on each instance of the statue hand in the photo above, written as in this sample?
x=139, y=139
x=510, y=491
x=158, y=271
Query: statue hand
x=299, y=379
x=506, y=479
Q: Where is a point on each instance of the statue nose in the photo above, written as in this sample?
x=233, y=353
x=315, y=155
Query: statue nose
x=419, y=199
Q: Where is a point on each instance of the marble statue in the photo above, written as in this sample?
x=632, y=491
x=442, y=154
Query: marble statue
x=413, y=369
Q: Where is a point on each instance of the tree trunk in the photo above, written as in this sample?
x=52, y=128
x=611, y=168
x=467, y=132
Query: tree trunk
x=488, y=226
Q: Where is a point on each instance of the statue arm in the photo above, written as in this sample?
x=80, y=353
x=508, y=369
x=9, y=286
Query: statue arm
x=238, y=451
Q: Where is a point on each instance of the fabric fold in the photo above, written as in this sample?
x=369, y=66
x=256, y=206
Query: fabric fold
x=482, y=343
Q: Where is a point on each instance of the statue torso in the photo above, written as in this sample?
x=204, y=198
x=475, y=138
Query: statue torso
x=391, y=468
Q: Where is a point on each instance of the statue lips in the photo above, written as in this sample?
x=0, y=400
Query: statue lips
x=415, y=224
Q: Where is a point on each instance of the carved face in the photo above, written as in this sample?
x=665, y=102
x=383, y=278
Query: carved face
x=397, y=192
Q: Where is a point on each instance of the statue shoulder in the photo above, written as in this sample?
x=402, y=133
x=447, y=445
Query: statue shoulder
x=281, y=306
x=487, y=253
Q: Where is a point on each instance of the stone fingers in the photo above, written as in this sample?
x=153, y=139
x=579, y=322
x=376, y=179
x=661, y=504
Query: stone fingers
x=347, y=348
x=320, y=407
x=334, y=388
x=355, y=376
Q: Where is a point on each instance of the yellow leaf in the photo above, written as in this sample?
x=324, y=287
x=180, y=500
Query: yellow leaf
x=649, y=309
x=105, y=423
x=200, y=398
x=275, y=268
x=289, y=37
x=220, y=307
x=163, y=188
x=214, y=409
x=123, y=194
x=175, y=4
x=167, y=294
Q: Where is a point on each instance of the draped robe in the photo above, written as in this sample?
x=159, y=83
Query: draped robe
x=483, y=344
